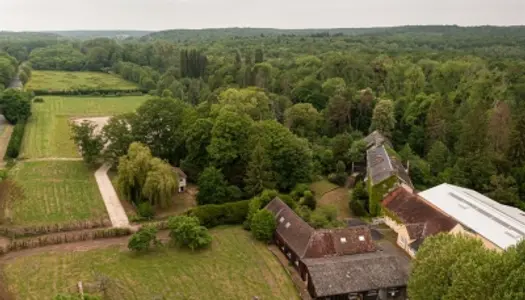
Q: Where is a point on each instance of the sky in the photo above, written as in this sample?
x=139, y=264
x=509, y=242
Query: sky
x=42, y=15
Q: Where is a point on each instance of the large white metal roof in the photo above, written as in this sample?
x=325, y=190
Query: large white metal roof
x=501, y=224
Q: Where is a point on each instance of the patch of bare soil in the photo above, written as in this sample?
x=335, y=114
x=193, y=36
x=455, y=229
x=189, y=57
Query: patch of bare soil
x=100, y=122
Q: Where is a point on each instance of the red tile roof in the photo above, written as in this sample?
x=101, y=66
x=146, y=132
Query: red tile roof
x=307, y=242
x=420, y=217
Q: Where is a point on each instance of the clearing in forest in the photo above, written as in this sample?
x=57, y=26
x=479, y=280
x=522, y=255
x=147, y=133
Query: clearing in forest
x=55, y=192
x=64, y=81
x=48, y=133
x=235, y=267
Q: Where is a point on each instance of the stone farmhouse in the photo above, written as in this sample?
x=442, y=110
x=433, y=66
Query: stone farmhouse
x=339, y=263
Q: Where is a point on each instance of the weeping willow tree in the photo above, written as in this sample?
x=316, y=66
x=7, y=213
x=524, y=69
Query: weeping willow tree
x=141, y=177
x=161, y=183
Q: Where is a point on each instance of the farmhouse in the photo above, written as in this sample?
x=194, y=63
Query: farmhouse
x=413, y=219
x=381, y=166
x=376, y=139
x=498, y=226
x=182, y=179
x=338, y=263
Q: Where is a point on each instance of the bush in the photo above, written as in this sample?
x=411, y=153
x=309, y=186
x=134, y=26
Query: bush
x=263, y=225
x=357, y=207
x=309, y=200
x=38, y=100
x=325, y=217
x=257, y=203
x=187, y=232
x=298, y=191
x=358, y=200
x=143, y=239
x=211, y=215
x=338, y=178
x=13, y=148
x=146, y=210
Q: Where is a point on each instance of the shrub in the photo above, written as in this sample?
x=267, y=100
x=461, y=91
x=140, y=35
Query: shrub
x=13, y=148
x=38, y=100
x=143, y=239
x=298, y=191
x=338, y=178
x=324, y=217
x=146, y=210
x=304, y=212
x=357, y=207
x=263, y=225
x=187, y=232
x=309, y=200
x=212, y=215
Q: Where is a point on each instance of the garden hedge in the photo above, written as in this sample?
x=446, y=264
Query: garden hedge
x=211, y=215
x=91, y=92
x=13, y=148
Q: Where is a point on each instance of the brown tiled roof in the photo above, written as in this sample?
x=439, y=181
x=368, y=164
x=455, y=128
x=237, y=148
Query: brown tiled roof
x=421, y=218
x=337, y=242
x=180, y=172
x=357, y=273
x=290, y=227
x=309, y=243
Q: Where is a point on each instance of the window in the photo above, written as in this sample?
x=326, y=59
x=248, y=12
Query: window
x=281, y=220
x=362, y=238
x=343, y=240
x=287, y=225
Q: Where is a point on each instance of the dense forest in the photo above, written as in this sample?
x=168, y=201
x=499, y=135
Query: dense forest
x=263, y=108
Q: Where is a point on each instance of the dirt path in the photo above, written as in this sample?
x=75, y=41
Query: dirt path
x=115, y=210
x=83, y=246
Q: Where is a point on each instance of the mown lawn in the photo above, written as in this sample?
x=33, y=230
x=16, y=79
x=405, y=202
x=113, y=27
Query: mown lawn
x=235, y=267
x=322, y=187
x=55, y=192
x=47, y=132
x=62, y=80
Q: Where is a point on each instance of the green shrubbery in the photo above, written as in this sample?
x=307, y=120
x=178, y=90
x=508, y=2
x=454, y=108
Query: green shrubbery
x=212, y=215
x=263, y=225
x=91, y=92
x=186, y=231
x=13, y=148
x=143, y=239
x=146, y=210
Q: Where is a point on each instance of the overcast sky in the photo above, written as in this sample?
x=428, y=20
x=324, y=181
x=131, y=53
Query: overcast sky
x=169, y=14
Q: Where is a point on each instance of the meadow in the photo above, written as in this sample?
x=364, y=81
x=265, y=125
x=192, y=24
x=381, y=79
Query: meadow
x=55, y=192
x=235, y=267
x=63, y=81
x=47, y=132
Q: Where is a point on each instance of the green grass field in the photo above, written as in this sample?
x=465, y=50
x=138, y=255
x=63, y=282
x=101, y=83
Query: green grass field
x=236, y=267
x=55, y=192
x=47, y=131
x=60, y=80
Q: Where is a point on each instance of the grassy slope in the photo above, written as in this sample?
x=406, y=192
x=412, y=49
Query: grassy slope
x=47, y=131
x=60, y=80
x=56, y=192
x=236, y=267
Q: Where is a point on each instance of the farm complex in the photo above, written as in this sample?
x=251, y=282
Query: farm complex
x=257, y=163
